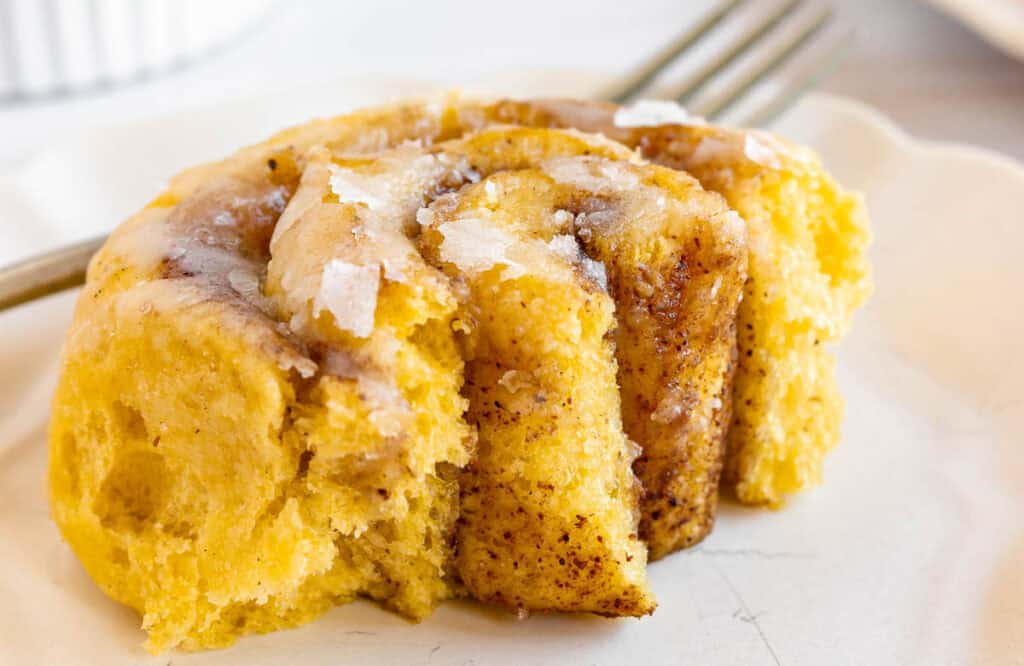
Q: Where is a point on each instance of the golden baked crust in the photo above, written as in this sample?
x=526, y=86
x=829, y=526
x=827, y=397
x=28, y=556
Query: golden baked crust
x=675, y=258
x=549, y=505
x=808, y=272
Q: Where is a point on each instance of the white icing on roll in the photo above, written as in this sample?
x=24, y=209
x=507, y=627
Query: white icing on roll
x=652, y=112
x=349, y=292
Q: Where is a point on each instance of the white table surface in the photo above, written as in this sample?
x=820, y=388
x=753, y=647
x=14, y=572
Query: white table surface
x=930, y=74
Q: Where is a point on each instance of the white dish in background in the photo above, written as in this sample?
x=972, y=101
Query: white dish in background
x=910, y=553
x=70, y=47
x=1000, y=22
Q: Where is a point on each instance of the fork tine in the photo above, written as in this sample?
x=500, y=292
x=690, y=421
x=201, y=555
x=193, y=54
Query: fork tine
x=716, y=106
x=829, y=60
x=692, y=84
x=647, y=72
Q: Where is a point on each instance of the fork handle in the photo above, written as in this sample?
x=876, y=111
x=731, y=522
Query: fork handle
x=46, y=274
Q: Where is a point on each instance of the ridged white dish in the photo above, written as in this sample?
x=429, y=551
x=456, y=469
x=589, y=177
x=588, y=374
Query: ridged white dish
x=911, y=553
x=52, y=47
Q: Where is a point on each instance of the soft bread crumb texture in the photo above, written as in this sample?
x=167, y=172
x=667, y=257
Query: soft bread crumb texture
x=205, y=481
x=221, y=473
x=199, y=497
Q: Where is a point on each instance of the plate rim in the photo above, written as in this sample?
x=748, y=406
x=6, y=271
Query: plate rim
x=895, y=133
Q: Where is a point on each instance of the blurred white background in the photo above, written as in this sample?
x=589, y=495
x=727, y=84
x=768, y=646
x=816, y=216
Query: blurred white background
x=929, y=73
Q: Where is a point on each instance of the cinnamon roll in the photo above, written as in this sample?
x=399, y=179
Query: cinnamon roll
x=493, y=349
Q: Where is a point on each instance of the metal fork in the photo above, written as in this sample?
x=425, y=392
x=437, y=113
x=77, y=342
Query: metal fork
x=65, y=267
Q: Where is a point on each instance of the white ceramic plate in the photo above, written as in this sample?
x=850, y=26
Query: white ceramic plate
x=1000, y=22
x=911, y=553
